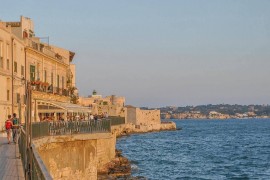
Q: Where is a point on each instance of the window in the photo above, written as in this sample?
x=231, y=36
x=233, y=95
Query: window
x=22, y=70
x=38, y=75
x=7, y=55
x=1, y=48
x=32, y=73
x=1, y=62
x=1, y=55
x=7, y=51
x=45, y=76
x=7, y=64
x=7, y=95
x=15, y=52
x=58, y=79
x=18, y=98
x=63, y=82
x=52, y=79
x=15, y=67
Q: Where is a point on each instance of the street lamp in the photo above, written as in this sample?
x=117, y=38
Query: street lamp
x=16, y=86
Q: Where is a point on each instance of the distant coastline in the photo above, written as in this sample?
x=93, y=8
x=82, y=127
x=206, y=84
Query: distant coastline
x=220, y=111
x=217, y=118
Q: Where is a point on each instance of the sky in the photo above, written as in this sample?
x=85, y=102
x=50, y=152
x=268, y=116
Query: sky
x=160, y=53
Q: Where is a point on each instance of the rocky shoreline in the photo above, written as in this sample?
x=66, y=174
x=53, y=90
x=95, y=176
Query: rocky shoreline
x=120, y=167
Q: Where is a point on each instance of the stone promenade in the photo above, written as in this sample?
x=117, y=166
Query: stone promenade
x=10, y=163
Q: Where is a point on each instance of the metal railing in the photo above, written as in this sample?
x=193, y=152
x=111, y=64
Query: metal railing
x=49, y=89
x=42, y=129
x=115, y=120
x=33, y=165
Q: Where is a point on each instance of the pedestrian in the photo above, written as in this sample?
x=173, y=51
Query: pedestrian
x=15, y=127
x=8, y=124
x=106, y=115
x=91, y=117
x=96, y=117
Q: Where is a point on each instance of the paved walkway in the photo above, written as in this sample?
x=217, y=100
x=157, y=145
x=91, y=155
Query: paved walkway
x=11, y=167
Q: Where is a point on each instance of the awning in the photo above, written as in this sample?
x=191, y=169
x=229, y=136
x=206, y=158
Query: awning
x=58, y=107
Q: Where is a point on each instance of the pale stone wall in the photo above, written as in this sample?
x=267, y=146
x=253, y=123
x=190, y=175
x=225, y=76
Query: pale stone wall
x=98, y=100
x=73, y=71
x=77, y=156
x=25, y=24
x=131, y=115
x=10, y=44
x=112, y=110
x=147, y=117
x=105, y=151
x=143, y=117
x=63, y=52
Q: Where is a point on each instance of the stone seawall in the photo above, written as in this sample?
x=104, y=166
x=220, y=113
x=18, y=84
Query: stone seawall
x=131, y=128
x=84, y=156
x=76, y=156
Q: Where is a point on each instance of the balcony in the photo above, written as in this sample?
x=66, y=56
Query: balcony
x=46, y=88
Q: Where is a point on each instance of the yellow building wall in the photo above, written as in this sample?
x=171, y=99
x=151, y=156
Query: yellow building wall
x=12, y=57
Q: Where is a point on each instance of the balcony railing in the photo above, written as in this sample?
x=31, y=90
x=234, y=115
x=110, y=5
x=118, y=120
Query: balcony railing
x=50, y=89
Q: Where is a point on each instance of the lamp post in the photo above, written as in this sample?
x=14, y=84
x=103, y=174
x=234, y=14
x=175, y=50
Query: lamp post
x=28, y=129
x=19, y=101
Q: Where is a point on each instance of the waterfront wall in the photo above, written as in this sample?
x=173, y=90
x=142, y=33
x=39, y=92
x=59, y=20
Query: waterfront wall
x=130, y=128
x=77, y=156
x=141, y=117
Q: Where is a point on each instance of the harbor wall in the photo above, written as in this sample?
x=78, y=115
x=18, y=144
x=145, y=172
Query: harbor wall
x=76, y=156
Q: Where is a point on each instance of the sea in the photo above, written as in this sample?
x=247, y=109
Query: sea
x=202, y=149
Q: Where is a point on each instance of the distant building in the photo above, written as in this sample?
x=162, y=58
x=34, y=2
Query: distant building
x=113, y=105
x=138, y=116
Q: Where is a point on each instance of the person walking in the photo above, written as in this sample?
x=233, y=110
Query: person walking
x=96, y=117
x=91, y=117
x=8, y=124
x=15, y=127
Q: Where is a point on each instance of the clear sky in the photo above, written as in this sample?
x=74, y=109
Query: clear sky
x=160, y=52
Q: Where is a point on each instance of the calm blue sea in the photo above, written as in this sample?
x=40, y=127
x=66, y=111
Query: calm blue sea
x=203, y=149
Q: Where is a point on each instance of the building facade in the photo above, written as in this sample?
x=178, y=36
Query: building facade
x=25, y=59
x=12, y=74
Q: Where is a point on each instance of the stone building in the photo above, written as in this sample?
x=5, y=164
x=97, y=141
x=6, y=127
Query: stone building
x=24, y=58
x=141, y=117
x=112, y=105
x=12, y=73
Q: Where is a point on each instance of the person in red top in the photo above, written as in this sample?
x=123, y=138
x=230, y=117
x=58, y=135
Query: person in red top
x=8, y=128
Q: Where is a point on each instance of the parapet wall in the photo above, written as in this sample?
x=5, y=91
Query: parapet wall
x=76, y=156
